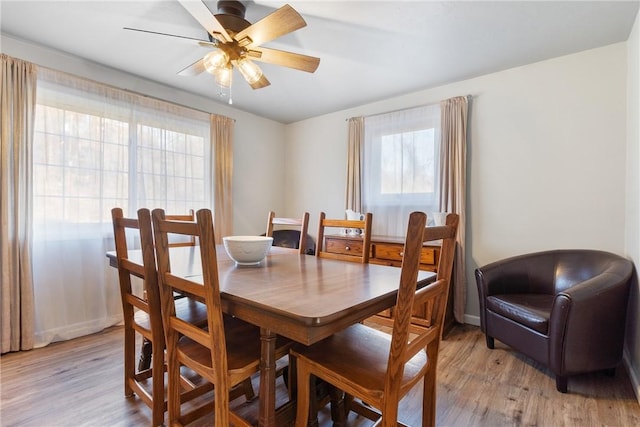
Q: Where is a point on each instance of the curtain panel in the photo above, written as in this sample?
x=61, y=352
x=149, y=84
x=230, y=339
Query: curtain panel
x=18, y=81
x=222, y=141
x=453, y=167
x=354, y=164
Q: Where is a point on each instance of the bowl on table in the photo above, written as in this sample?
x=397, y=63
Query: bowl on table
x=247, y=250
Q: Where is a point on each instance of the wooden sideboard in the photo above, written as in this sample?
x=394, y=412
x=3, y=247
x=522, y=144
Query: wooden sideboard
x=387, y=250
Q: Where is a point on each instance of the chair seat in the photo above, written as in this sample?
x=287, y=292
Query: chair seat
x=531, y=310
x=186, y=309
x=243, y=346
x=369, y=371
x=192, y=311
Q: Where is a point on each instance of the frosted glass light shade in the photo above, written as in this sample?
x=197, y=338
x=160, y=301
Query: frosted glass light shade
x=251, y=72
x=214, y=60
x=224, y=76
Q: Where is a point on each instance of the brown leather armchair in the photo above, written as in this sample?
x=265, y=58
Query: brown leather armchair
x=563, y=308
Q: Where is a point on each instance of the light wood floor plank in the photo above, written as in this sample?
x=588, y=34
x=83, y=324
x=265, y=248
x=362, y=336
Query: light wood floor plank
x=79, y=383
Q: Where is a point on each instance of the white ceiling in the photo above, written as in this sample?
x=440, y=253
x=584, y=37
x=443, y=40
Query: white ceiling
x=369, y=50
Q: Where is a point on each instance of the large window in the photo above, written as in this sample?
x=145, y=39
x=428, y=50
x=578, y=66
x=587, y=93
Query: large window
x=94, y=152
x=95, y=148
x=400, y=170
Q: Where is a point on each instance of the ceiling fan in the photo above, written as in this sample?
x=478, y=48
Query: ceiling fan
x=238, y=43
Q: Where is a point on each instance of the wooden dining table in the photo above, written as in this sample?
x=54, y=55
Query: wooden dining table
x=301, y=297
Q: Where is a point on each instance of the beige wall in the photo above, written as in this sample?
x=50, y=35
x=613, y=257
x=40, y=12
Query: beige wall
x=632, y=244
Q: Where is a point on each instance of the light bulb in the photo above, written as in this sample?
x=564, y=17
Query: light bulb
x=224, y=75
x=216, y=59
x=251, y=72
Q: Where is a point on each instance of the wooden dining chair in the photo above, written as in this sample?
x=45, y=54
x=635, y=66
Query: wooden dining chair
x=377, y=368
x=227, y=352
x=275, y=223
x=142, y=315
x=359, y=247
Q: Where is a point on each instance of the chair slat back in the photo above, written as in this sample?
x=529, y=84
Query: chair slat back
x=150, y=303
x=135, y=380
x=213, y=338
x=302, y=224
x=408, y=339
x=447, y=233
x=329, y=223
x=189, y=217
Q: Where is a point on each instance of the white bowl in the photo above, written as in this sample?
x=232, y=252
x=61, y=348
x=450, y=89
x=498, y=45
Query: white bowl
x=247, y=250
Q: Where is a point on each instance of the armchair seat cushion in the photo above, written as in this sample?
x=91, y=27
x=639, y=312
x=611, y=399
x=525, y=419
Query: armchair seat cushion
x=530, y=310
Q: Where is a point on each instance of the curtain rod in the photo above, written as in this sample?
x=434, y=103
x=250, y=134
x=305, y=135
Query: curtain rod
x=403, y=109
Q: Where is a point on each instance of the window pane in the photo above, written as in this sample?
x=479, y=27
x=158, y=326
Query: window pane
x=165, y=160
x=407, y=163
x=81, y=166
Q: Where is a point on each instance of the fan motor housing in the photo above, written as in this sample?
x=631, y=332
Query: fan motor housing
x=231, y=15
x=231, y=8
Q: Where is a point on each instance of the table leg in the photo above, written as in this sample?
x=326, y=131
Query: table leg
x=267, y=408
x=145, y=355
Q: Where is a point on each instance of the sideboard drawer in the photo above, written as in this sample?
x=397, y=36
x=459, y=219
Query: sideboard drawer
x=393, y=252
x=387, y=251
x=339, y=245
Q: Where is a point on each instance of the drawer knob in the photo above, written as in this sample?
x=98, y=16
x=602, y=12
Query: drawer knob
x=347, y=248
x=401, y=253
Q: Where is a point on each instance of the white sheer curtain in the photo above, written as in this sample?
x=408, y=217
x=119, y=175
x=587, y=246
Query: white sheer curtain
x=401, y=167
x=95, y=148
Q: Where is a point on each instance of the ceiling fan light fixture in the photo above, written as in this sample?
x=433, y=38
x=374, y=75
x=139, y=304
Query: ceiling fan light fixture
x=214, y=60
x=249, y=70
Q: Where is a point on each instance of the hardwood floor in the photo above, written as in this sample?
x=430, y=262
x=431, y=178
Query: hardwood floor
x=79, y=383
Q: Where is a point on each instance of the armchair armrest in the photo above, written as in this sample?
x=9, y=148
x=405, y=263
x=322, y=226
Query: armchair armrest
x=586, y=321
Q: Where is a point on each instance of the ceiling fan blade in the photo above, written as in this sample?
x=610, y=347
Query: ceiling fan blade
x=204, y=43
x=263, y=82
x=194, y=69
x=203, y=15
x=285, y=59
x=272, y=26
x=164, y=34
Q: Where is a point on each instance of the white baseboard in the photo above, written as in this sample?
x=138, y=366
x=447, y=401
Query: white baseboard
x=472, y=320
x=634, y=375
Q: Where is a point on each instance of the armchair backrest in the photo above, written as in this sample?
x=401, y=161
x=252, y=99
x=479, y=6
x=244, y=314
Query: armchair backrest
x=576, y=266
x=550, y=272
